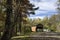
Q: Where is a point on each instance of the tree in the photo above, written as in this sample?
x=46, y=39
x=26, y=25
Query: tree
x=2, y=15
x=36, y=21
x=58, y=8
x=23, y=8
x=7, y=34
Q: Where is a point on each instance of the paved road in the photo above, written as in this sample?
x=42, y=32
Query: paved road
x=46, y=34
x=41, y=36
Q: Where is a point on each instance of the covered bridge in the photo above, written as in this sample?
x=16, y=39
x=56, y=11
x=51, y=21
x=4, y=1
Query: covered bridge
x=37, y=28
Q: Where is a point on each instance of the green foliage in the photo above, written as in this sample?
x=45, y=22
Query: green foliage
x=27, y=30
x=48, y=23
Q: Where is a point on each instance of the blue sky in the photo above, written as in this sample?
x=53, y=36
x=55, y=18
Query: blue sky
x=46, y=8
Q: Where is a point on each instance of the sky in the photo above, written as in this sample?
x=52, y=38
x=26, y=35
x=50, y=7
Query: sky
x=46, y=8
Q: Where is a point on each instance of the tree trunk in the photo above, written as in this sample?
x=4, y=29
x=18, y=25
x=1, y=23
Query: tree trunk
x=20, y=21
x=0, y=35
x=7, y=32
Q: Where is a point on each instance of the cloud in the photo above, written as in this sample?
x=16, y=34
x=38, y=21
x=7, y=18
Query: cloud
x=45, y=5
x=42, y=15
x=44, y=0
x=35, y=17
x=45, y=13
x=48, y=0
x=46, y=8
